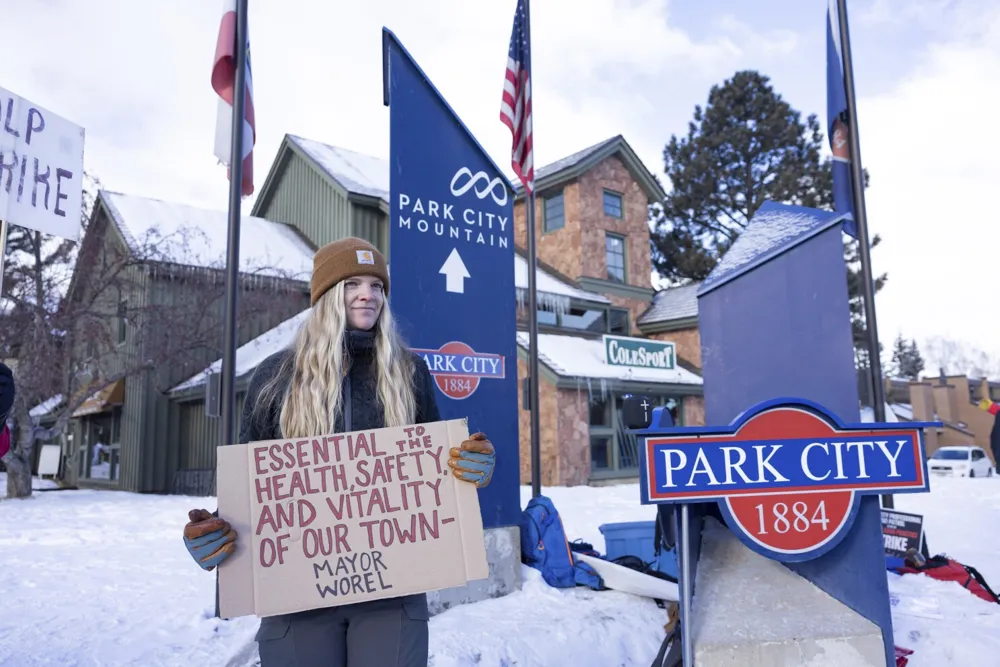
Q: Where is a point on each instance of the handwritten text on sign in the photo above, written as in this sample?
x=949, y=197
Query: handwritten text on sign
x=344, y=518
x=41, y=168
x=787, y=476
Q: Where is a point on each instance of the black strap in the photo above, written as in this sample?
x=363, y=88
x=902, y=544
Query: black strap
x=669, y=654
x=347, y=403
x=974, y=573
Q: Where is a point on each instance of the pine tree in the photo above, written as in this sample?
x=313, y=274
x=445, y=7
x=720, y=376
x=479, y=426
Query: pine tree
x=747, y=145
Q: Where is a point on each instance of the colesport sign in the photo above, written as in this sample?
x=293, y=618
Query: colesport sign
x=787, y=474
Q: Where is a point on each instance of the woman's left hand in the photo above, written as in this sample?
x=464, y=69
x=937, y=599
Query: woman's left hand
x=474, y=460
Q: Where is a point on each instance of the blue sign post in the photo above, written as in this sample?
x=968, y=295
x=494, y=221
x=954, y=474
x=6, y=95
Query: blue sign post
x=451, y=262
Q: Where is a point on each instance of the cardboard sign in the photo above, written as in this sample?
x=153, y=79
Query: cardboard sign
x=41, y=168
x=787, y=474
x=902, y=531
x=346, y=518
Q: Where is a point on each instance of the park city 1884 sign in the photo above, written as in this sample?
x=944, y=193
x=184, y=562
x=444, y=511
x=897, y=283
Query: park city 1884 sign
x=787, y=474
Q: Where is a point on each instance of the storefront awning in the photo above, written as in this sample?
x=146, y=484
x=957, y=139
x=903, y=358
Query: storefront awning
x=105, y=399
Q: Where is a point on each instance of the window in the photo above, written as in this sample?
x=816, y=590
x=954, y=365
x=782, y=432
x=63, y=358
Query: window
x=599, y=412
x=600, y=452
x=585, y=320
x=618, y=321
x=579, y=318
x=614, y=247
x=122, y=320
x=612, y=204
x=555, y=213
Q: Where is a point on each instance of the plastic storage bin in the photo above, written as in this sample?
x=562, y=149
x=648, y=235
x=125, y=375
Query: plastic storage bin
x=637, y=538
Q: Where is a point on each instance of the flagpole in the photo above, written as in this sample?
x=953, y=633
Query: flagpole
x=536, y=444
x=228, y=380
x=861, y=219
x=228, y=403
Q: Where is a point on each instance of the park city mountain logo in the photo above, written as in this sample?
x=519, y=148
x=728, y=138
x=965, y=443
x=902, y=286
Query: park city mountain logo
x=460, y=217
x=488, y=189
x=458, y=369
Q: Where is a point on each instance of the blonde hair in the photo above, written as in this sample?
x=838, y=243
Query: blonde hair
x=313, y=373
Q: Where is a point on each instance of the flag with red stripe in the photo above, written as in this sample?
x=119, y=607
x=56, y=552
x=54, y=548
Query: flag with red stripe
x=224, y=83
x=515, y=108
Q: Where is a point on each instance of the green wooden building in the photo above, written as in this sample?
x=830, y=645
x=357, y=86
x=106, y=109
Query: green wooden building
x=165, y=301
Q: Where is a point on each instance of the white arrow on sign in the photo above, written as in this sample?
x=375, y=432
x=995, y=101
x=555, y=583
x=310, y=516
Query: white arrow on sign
x=454, y=272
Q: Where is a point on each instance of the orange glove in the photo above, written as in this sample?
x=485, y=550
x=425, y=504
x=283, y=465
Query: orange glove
x=474, y=460
x=208, y=539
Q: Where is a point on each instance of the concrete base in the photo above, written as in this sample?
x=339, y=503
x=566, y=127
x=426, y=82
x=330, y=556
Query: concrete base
x=503, y=551
x=754, y=612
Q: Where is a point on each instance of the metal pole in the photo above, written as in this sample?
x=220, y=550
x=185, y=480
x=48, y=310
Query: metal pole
x=861, y=218
x=684, y=556
x=536, y=444
x=228, y=407
x=3, y=257
x=233, y=244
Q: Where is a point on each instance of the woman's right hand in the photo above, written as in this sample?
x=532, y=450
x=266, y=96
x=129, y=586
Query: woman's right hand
x=209, y=539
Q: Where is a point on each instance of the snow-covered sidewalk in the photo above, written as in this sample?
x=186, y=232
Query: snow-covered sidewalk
x=92, y=578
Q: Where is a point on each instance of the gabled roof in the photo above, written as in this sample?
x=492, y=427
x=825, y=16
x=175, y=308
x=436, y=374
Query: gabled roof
x=249, y=355
x=672, y=303
x=358, y=176
x=357, y=173
x=184, y=235
x=578, y=163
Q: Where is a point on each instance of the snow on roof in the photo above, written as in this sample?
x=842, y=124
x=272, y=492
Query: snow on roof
x=569, y=356
x=356, y=172
x=46, y=407
x=549, y=284
x=573, y=356
x=190, y=236
x=903, y=411
x=249, y=356
x=673, y=303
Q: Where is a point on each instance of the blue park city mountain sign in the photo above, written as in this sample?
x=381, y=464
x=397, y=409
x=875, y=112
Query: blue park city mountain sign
x=451, y=245
x=787, y=474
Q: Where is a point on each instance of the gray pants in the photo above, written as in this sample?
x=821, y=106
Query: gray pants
x=381, y=633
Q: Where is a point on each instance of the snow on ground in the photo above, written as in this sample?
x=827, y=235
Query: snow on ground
x=92, y=578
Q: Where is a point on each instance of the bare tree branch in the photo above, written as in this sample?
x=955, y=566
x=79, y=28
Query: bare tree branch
x=79, y=318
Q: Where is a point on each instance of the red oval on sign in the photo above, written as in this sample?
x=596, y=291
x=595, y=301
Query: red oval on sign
x=457, y=386
x=792, y=523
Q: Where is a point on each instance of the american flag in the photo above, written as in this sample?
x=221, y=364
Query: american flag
x=515, y=109
x=224, y=83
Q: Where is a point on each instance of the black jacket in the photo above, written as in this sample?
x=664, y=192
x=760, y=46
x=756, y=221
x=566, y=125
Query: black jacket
x=360, y=413
x=6, y=393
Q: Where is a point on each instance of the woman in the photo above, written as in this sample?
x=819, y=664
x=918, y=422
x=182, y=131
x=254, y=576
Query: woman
x=350, y=338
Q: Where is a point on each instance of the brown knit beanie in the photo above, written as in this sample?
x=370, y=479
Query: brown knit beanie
x=345, y=258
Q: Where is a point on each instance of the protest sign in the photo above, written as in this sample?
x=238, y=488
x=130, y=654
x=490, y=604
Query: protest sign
x=346, y=518
x=901, y=532
x=41, y=168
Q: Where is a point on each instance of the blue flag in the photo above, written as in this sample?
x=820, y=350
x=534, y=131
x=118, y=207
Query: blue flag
x=837, y=127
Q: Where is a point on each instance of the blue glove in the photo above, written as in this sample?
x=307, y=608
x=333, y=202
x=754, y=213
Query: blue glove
x=209, y=539
x=474, y=460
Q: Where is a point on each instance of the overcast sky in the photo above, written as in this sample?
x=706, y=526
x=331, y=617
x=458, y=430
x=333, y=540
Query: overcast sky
x=135, y=74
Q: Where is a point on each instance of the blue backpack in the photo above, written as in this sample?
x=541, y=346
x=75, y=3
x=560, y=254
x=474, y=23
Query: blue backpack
x=544, y=547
